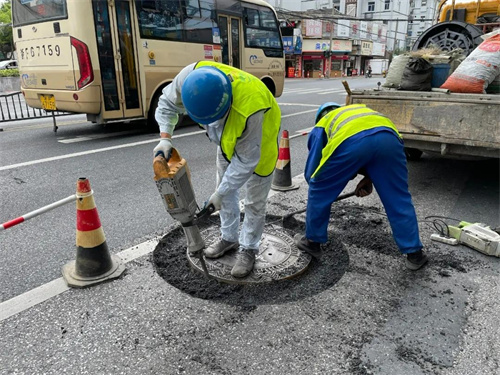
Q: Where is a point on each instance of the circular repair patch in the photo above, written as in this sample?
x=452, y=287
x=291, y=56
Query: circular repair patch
x=278, y=258
x=172, y=264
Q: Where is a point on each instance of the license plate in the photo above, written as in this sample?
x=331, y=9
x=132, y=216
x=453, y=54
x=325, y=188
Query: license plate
x=48, y=102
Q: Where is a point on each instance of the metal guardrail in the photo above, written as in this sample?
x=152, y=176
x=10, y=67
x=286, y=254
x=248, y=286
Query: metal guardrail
x=14, y=108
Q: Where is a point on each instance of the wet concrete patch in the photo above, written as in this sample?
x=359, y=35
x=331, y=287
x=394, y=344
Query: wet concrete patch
x=172, y=265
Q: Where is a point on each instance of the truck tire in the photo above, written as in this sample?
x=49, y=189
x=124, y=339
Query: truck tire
x=450, y=35
x=412, y=154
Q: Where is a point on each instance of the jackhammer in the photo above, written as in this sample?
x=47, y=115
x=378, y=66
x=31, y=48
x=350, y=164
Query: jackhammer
x=173, y=181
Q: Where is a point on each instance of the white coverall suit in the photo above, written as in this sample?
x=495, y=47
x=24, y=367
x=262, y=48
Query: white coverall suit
x=230, y=176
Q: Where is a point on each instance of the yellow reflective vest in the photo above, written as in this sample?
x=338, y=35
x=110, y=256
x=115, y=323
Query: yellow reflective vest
x=344, y=122
x=250, y=95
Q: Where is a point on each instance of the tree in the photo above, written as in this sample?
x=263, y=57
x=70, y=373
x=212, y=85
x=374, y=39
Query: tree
x=6, y=40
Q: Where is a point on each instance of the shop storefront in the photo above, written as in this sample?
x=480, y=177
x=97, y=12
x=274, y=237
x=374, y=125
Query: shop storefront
x=319, y=60
x=293, y=61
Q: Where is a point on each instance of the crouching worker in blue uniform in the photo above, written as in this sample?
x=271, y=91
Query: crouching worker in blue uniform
x=241, y=116
x=351, y=140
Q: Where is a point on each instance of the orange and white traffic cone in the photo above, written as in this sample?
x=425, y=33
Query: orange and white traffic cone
x=282, y=178
x=93, y=262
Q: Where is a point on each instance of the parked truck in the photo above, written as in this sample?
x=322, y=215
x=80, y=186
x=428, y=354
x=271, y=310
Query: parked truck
x=447, y=124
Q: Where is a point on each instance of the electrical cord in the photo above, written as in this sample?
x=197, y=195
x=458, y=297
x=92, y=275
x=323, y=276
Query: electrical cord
x=439, y=224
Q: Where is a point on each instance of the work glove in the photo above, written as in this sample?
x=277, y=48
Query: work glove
x=364, y=188
x=164, y=147
x=215, y=200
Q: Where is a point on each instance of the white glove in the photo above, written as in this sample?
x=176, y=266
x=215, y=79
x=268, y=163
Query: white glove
x=216, y=201
x=165, y=147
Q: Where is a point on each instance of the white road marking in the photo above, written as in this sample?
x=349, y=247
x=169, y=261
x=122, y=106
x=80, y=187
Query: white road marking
x=315, y=91
x=332, y=92
x=300, y=104
x=96, y=136
x=300, y=113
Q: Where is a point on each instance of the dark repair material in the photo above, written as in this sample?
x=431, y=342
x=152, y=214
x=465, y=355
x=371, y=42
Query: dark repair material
x=339, y=198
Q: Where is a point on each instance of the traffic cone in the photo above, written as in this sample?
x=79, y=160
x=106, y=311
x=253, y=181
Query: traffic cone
x=282, y=178
x=93, y=262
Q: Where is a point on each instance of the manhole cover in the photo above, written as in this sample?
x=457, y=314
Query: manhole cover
x=278, y=259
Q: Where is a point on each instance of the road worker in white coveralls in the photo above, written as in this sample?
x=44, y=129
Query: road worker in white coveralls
x=242, y=117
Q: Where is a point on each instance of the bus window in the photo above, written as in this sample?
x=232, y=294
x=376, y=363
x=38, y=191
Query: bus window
x=160, y=19
x=185, y=20
x=198, y=21
x=25, y=12
x=262, y=31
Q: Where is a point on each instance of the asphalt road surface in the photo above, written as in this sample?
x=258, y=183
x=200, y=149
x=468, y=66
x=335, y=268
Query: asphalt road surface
x=368, y=315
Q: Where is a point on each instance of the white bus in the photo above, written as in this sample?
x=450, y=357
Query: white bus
x=111, y=59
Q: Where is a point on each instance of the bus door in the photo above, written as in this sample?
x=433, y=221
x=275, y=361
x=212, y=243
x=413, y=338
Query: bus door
x=118, y=58
x=230, y=40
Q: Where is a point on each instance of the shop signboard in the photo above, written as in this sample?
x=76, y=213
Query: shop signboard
x=378, y=49
x=343, y=27
x=288, y=44
x=383, y=34
x=363, y=29
x=374, y=31
x=354, y=29
x=313, y=28
x=366, y=48
x=338, y=45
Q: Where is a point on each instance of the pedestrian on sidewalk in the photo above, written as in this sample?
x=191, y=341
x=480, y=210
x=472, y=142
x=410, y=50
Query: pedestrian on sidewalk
x=242, y=117
x=351, y=140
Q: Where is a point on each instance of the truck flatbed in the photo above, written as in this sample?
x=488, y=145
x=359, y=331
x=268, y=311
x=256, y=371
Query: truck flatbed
x=446, y=123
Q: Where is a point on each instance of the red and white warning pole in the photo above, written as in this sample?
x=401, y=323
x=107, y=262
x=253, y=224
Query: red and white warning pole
x=42, y=210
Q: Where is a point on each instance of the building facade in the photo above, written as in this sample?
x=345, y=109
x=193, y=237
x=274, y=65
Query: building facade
x=328, y=38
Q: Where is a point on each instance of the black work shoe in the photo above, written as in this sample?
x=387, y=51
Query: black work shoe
x=219, y=248
x=415, y=261
x=308, y=246
x=245, y=259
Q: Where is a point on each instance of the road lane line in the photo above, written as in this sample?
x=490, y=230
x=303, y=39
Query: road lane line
x=55, y=287
x=300, y=104
x=300, y=113
x=83, y=138
x=319, y=92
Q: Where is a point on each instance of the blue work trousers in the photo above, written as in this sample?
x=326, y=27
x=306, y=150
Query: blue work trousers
x=382, y=155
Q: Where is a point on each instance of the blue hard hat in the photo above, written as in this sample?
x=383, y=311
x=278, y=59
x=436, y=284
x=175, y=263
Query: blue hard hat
x=206, y=94
x=324, y=109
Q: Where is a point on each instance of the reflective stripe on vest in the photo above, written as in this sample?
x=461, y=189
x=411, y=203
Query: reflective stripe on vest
x=250, y=95
x=345, y=122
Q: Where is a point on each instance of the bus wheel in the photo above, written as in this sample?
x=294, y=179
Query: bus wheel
x=270, y=85
x=412, y=154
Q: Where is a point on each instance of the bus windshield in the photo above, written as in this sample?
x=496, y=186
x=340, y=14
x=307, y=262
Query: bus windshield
x=26, y=12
